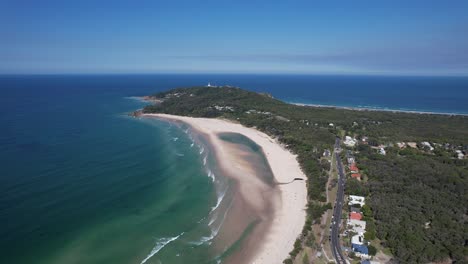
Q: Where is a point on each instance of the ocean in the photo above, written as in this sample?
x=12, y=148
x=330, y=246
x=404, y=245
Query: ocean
x=82, y=182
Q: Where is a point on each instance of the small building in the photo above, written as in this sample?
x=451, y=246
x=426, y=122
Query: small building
x=357, y=240
x=365, y=140
x=355, y=216
x=354, y=199
x=361, y=249
x=401, y=145
x=460, y=154
x=427, y=145
x=382, y=151
x=357, y=226
x=349, y=141
x=369, y=262
x=326, y=153
x=353, y=168
x=356, y=176
x=412, y=144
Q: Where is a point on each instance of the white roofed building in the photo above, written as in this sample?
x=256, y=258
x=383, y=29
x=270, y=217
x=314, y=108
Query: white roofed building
x=349, y=141
x=357, y=226
x=357, y=239
x=354, y=199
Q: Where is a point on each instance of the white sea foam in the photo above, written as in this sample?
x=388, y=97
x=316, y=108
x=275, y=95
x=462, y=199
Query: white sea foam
x=211, y=175
x=213, y=219
x=180, y=154
x=160, y=244
x=175, y=138
x=191, y=145
x=204, y=160
x=220, y=199
x=202, y=149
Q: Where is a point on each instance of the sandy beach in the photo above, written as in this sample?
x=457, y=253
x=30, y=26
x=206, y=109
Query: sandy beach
x=278, y=208
x=378, y=109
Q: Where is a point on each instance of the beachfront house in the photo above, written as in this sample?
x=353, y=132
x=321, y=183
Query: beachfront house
x=356, y=176
x=354, y=199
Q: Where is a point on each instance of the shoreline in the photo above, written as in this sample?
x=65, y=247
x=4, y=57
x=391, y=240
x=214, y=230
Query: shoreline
x=356, y=108
x=278, y=210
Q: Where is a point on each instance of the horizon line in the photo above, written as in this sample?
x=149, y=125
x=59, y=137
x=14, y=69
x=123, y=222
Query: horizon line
x=233, y=73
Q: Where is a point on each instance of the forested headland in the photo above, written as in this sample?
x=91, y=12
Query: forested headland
x=417, y=199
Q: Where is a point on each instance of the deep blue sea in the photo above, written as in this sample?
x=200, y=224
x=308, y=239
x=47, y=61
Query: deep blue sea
x=81, y=182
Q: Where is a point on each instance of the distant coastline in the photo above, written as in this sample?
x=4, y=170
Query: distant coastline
x=378, y=109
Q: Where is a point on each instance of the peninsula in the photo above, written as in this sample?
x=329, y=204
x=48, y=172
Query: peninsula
x=425, y=152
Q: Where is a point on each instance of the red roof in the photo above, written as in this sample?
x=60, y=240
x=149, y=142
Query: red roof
x=353, y=167
x=356, y=175
x=355, y=216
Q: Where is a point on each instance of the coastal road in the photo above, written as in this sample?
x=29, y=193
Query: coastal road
x=336, y=218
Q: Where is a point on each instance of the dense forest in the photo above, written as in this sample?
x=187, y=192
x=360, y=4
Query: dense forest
x=418, y=200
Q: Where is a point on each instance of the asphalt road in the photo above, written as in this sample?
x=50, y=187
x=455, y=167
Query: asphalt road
x=336, y=218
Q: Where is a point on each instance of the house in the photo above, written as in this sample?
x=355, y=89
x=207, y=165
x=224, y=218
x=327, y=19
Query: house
x=401, y=145
x=349, y=141
x=357, y=226
x=412, y=144
x=362, y=250
x=353, y=168
x=357, y=240
x=355, y=216
x=356, y=176
x=382, y=151
x=365, y=140
x=369, y=262
x=427, y=145
x=326, y=153
x=459, y=154
x=354, y=199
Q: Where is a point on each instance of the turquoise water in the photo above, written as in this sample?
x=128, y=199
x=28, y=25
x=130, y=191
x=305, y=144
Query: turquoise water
x=81, y=182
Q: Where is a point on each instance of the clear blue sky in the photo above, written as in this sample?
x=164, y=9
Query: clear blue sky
x=336, y=37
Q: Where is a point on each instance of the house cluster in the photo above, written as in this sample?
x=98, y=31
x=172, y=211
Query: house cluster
x=460, y=152
x=223, y=108
x=349, y=141
x=253, y=111
x=352, y=166
x=356, y=226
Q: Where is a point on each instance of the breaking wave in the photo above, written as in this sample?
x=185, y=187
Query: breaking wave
x=160, y=244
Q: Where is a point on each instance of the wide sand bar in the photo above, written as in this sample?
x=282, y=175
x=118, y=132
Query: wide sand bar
x=287, y=208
